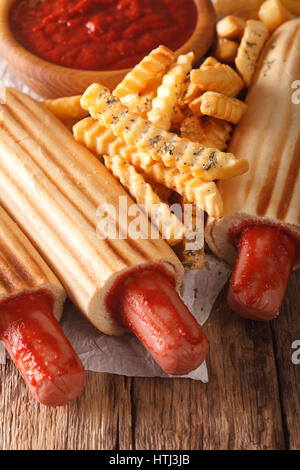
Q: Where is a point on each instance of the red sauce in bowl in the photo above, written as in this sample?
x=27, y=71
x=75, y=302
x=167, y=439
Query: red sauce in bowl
x=101, y=34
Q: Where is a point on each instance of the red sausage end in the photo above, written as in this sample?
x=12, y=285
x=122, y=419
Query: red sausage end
x=37, y=344
x=151, y=307
x=261, y=274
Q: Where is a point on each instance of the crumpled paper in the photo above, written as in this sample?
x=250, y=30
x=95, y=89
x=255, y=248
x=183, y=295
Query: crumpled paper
x=125, y=355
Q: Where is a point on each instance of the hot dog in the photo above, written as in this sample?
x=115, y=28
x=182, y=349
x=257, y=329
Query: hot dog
x=261, y=208
x=148, y=304
x=35, y=341
x=262, y=270
x=53, y=186
x=31, y=302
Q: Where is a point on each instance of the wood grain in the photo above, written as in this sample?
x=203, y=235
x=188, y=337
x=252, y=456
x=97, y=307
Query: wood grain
x=239, y=408
x=90, y=422
x=250, y=402
x=285, y=330
x=51, y=81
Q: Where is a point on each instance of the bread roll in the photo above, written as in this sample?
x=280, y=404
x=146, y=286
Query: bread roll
x=52, y=186
x=269, y=138
x=22, y=270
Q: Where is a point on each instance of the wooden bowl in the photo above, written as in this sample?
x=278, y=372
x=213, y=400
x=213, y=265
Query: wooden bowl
x=50, y=80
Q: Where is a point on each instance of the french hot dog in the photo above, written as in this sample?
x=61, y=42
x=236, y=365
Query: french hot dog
x=53, y=186
x=262, y=208
x=31, y=303
x=147, y=303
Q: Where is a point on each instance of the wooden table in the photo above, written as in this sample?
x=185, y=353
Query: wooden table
x=250, y=402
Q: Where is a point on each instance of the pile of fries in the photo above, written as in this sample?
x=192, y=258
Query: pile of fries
x=163, y=131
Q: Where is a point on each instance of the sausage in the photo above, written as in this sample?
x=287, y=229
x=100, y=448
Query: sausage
x=40, y=350
x=265, y=259
x=150, y=306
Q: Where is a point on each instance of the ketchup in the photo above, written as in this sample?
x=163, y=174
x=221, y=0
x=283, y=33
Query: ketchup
x=101, y=34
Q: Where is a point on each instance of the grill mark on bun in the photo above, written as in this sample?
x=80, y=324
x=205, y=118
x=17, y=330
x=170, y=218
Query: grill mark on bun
x=37, y=114
x=89, y=194
x=57, y=234
x=89, y=221
x=113, y=246
x=290, y=183
x=13, y=273
x=30, y=272
x=266, y=193
x=265, y=196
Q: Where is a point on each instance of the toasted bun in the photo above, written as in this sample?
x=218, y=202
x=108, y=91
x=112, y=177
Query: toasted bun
x=22, y=270
x=269, y=138
x=52, y=186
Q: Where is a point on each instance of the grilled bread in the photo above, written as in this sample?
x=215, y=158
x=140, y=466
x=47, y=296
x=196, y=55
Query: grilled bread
x=22, y=270
x=52, y=186
x=269, y=138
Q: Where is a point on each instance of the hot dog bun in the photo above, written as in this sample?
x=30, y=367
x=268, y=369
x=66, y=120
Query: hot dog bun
x=22, y=270
x=52, y=186
x=268, y=136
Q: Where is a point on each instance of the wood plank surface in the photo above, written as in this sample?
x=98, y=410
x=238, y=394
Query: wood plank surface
x=286, y=330
x=250, y=402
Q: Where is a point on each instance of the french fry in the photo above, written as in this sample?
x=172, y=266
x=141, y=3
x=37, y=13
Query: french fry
x=138, y=104
x=209, y=61
x=190, y=90
x=162, y=191
x=101, y=141
x=194, y=233
x=231, y=27
x=195, y=105
x=189, y=93
x=226, y=50
x=229, y=7
x=192, y=129
x=142, y=103
x=178, y=117
x=167, y=223
x=144, y=73
x=208, y=131
x=173, y=151
x=216, y=131
x=192, y=259
x=222, y=107
x=205, y=195
x=255, y=35
x=220, y=78
x=163, y=105
x=272, y=13
x=66, y=108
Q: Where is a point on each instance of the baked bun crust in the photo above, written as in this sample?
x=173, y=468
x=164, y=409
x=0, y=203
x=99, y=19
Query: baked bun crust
x=268, y=136
x=52, y=186
x=22, y=270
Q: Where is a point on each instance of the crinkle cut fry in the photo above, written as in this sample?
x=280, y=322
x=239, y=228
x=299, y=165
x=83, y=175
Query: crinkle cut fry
x=163, y=105
x=166, y=222
x=141, y=76
x=189, y=157
x=102, y=141
x=220, y=78
x=192, y=257
x=223, y=107
x=66, y=108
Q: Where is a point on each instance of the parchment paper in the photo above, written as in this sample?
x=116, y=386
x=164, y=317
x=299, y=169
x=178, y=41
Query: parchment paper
x=126, y=355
